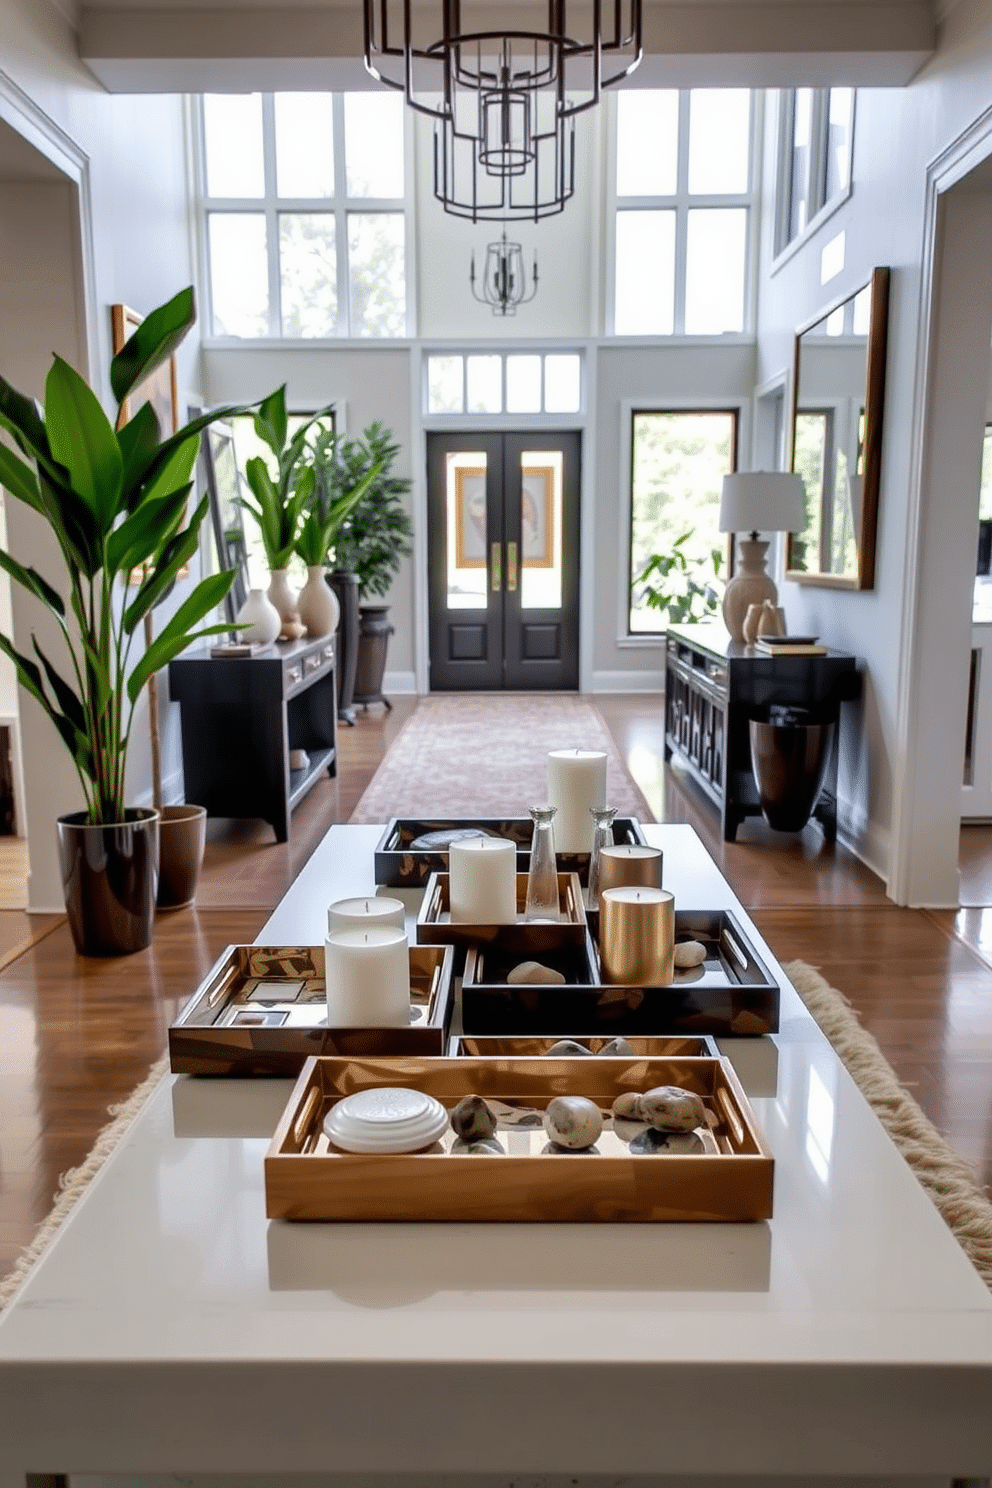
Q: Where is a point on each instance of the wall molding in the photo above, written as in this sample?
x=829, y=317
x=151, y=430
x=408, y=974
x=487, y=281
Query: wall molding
x=629, y=682
x=402, y=684
x=867, y=839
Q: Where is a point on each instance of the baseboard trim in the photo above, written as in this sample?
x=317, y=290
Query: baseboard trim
x=401, y=684
x=863, y=837
x=628, y=682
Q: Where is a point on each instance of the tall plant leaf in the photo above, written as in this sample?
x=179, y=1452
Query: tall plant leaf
x=73, y=523
x=175, y=636
x=154, y=341
x=177, y=551
x=65, y=695
x=30, y=679
x=24, y=419
x=138, y=442
x=82, y=439
x=19, y=479
x=33, y=582
x=145, y=531
x=271, y=422
x=140, y=472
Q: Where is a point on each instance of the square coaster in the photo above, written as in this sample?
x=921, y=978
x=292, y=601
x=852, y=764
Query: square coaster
x=273, y=991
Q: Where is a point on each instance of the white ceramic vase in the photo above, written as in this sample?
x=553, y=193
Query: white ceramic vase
x=285, y=602
x=260, y=618
x=318, y=604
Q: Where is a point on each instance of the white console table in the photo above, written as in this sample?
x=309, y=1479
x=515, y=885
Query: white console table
x=170, y=1329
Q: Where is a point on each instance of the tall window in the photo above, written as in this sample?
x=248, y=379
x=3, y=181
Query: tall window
x=817, y=141
x=684, y=210
x=303, y=197
x=678, y=461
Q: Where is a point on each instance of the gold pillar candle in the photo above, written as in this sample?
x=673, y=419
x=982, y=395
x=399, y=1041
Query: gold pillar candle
x=627, y=864
x=637, y=936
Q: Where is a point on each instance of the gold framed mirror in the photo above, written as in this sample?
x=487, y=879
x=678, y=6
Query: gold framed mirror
x=835, y=441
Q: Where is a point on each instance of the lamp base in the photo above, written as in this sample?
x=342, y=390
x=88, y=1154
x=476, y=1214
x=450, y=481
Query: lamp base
x=752, y=585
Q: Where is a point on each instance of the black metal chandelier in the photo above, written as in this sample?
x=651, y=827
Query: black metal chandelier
x=504, y=101
x=503, y=282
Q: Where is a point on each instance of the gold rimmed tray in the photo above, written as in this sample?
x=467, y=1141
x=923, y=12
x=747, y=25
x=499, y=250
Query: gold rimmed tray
x=524, y=939
x=399, y=863
x=262, y=1010
x=307, y=1179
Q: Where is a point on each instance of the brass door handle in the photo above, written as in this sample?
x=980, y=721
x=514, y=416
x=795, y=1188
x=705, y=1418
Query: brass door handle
x=511, y=567
x=496, y=567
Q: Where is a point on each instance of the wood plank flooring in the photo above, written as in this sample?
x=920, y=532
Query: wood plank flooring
x=77, y=1036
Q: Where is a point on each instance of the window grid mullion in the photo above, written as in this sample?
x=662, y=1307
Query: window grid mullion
x=682, y=216
x=271, y=213
x=341, y=218
x=819, y=137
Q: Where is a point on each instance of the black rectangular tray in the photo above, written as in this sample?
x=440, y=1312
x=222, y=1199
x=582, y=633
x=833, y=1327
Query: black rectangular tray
x=401, y=867
x=732, y=993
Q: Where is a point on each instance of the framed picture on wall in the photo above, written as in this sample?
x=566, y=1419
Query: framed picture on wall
x=470, y=517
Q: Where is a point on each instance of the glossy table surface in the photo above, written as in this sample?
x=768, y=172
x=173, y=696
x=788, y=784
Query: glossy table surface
x=171, y=1327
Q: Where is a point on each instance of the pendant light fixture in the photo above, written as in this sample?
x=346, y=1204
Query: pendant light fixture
x=503, y=281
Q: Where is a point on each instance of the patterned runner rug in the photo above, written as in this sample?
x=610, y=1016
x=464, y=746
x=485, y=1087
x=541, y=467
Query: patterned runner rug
x=485, y=754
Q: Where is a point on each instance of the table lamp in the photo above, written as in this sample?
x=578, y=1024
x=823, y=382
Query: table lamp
x=757, y=501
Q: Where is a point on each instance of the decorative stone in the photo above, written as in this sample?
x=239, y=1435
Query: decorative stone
x=670, y=1108
x=567, y=1049
x=472, y=1120
x=689, y=953
x=651, y=1141
x=487, y=1145
x=628, y=1106
x=568, y=1151
x=573, y=1122
x=617, y=1046
x=534, y=974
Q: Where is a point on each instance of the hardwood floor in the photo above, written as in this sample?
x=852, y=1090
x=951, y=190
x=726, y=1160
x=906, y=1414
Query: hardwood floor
x=77, y=1036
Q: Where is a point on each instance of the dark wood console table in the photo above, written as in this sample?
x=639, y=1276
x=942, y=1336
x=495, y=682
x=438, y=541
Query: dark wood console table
x=241, y=716
x=714, y=687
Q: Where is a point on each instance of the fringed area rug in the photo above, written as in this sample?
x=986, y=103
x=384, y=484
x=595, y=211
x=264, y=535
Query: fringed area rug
x=485, y=754
x=73, y=1183
x=946, y=1177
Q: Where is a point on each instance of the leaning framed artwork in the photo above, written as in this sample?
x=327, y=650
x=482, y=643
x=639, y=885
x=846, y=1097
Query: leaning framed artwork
x=470, y=517
x=161, y=389
x=537, y=512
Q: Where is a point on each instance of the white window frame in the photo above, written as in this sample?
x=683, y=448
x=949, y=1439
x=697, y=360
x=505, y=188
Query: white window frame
x=502, y=419
x=682, y=202
x=786, y=246
x=339, y=206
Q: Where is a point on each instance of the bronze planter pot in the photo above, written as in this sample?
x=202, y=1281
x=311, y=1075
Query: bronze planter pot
x=110, y=879
x=182, y=839
x=790, y=761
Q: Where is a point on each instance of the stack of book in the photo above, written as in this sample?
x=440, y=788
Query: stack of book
x=789, y=646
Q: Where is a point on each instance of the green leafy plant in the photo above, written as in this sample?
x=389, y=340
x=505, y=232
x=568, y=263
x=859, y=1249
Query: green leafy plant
x=677, y=584
x=376, y=537
x=116, y=501
x=330, y=507
x=281, y=504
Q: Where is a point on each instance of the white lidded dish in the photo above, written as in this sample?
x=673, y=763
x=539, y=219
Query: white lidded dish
x=387, y=1119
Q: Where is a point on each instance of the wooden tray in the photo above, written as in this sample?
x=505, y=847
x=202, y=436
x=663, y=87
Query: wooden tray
x=398, y=864
x=732, y=993
x=223, y=1030
x=307, y=1179
x=523, y=940
x=468, y=1046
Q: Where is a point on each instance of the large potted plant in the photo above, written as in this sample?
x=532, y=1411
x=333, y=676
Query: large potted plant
x=283, y=500
x=372, y=544
x=115, y=500
x=329, y=509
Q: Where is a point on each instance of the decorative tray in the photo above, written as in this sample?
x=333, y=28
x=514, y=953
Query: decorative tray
x=398, y=863
x=468, y=1046
x=732, y=993
x=306, y=1178
x=262, y=1010
x=524, y=939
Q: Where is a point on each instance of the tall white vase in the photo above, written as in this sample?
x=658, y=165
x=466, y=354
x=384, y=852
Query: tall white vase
x=285, y=602
x=260, y=618
x=318, y=604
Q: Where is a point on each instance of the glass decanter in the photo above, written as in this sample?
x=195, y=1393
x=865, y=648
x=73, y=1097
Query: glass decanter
x=602, y=837
x=542, y=876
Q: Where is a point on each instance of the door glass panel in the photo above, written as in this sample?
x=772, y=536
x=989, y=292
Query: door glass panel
x=465, y=496
x=540, y=530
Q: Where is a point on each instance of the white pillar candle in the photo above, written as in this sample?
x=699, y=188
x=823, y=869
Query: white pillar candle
x=364, y=914
x=576, y=783
x=367, y=977
x=482, y=883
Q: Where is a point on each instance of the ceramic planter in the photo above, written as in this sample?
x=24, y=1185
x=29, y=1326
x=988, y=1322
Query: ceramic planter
x=182, y=839
x=110, y=881
x=261, y=619
x=285, y=602
x=373, y=641
x=318, y=604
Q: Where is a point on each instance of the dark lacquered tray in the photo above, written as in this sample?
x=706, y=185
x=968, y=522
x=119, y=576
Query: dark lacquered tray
x=399, y=864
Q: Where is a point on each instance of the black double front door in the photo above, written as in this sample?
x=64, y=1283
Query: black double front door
x=503, y=521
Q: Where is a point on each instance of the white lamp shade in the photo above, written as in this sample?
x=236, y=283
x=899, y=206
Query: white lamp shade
x=762, y=501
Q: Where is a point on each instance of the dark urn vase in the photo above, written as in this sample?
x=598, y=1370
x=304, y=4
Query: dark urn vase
x=110, y=881
x=345, y=586
x=789, y=755
x=373, y=641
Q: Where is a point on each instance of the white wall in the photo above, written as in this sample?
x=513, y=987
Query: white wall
x=897, y=133
x=133, y=154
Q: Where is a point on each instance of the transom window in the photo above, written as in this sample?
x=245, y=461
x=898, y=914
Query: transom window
x=504, y=382
x=684, y=208
x=304, y=214
x=817, y=140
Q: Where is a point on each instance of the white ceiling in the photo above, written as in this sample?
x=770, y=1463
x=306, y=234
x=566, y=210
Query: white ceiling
x=190, y=45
